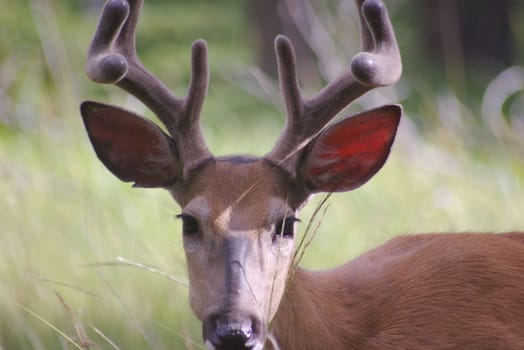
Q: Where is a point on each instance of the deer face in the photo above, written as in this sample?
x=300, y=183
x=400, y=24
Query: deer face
x=238, y=212
x=238, y=225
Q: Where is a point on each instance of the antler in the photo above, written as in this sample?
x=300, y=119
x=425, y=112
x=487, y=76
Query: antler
x=379, y=64
x=112, y=59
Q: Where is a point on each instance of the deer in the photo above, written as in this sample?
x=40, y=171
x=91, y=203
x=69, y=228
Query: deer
x=424, y=291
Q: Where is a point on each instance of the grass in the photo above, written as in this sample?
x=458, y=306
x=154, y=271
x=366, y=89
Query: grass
x=65, y=220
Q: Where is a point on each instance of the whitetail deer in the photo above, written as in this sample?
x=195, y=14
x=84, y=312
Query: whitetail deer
x=461, y=291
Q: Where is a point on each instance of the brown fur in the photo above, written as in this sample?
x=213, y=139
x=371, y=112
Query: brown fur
x=434, y=291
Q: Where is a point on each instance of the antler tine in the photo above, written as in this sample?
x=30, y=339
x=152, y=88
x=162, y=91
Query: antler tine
x=112, y=59
x=383, y=66
x=379, y=64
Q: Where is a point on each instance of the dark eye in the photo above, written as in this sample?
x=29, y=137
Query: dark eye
x=189, y=225
x=285, y=227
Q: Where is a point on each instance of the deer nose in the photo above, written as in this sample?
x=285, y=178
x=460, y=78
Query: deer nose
x=226, y=333
x=234, y=335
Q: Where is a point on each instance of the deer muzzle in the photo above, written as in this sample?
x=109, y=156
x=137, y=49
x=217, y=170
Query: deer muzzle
x=236, y=323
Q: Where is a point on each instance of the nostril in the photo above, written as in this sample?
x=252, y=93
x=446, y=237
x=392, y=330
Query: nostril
x=237, y=333
x=231, y=333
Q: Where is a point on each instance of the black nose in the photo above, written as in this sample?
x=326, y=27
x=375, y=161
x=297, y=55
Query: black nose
x=234, y=335
x=231, y=333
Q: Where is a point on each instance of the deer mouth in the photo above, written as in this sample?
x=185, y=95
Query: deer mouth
x=257, y=346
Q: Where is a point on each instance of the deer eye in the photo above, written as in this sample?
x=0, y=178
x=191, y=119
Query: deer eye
x=190, y=225
x=285, y=227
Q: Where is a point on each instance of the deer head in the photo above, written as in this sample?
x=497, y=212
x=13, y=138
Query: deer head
x=238, y=212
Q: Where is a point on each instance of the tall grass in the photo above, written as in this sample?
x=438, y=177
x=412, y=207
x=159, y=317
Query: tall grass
x=67, y=227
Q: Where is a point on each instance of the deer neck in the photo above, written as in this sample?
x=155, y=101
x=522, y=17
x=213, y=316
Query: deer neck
x=314, y=315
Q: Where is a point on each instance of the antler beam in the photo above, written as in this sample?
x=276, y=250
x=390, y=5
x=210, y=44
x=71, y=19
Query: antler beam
x=379, y=64
x=112, y=59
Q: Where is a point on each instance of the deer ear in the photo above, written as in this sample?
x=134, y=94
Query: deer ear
x=347, y=154
x=131, y=147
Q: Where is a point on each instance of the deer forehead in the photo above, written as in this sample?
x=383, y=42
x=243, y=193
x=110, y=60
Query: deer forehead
x=237, y=194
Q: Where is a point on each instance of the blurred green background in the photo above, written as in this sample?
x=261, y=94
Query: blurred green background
x=66, y=223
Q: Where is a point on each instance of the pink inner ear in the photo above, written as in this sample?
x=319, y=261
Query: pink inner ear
x=349, y=153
